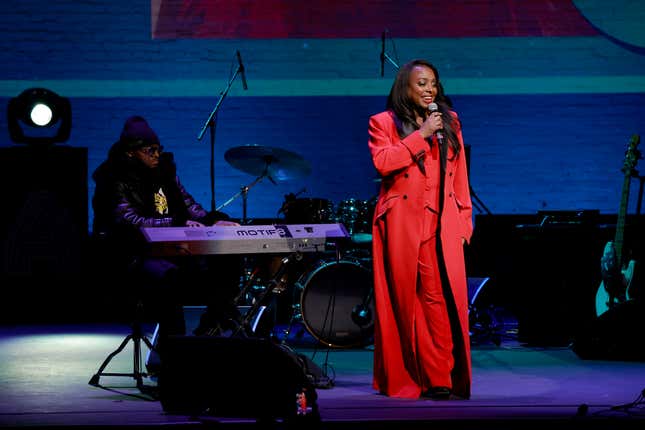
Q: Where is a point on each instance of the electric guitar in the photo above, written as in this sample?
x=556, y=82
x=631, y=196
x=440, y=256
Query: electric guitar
x=616, y=276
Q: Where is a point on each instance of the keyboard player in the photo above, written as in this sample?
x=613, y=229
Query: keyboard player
x=138, y=186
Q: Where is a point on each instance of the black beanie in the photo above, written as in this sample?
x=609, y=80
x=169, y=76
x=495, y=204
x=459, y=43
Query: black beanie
x=137, y=133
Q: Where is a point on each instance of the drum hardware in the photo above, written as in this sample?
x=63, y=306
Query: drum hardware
x=288, y=199
x=275, y=286
x=307, y=210
x=264, y=162
x=361, y=313
x=296, y=316
x=338, y=328
x=335, y=303
x=296, y=309
x=277, y=164
x=244, y=191
x=356, y=216
x=249, y=290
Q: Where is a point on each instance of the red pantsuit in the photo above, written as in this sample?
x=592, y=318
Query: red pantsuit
x=414, y=346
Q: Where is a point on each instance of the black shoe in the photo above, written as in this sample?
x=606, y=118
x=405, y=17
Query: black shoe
x=438, y=393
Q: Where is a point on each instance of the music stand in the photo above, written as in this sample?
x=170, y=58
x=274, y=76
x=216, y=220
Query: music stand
x=136, y=336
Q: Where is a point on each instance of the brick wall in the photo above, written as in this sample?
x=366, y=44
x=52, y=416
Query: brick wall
x=548, y=118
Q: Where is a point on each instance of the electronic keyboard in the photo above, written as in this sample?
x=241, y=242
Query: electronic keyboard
x=243, y=239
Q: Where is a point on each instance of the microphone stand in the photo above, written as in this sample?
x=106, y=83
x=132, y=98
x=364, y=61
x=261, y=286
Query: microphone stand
x=388, y=58
x=639, y=202
x=477, y=203
x=210, y=123
x=384, y=55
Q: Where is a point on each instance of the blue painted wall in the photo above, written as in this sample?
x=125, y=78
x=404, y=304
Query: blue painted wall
x=548, y=119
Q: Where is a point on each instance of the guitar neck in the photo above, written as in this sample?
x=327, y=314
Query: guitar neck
x=620, y=223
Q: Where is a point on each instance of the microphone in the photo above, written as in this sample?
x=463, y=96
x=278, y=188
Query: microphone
x=433, y=107
x=382, y=53
x=241, y=69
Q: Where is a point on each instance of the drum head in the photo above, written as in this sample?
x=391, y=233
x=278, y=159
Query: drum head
x=337, y=304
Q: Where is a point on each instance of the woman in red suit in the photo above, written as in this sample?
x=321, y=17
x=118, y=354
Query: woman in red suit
x=422, y=219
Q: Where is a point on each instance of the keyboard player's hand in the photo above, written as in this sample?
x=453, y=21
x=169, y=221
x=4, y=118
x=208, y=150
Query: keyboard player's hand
x=225, y=222
x=191, y=223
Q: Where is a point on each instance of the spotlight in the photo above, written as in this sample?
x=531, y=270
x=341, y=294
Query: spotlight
x=39, y=116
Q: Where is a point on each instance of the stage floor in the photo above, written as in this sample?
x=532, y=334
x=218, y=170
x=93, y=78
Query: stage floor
x=44, y=374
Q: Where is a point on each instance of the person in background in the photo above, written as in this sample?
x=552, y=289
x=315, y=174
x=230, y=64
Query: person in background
x=421, y=222
x=137, y=185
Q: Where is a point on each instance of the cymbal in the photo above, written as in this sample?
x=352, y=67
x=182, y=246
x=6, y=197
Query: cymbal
x=278, y=164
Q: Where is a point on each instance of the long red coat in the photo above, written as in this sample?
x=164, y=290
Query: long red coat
x=397, y=231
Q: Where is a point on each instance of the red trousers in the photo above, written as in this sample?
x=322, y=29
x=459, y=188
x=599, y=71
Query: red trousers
x=432, y=324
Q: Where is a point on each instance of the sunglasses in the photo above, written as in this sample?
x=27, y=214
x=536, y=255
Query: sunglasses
x=151, y=150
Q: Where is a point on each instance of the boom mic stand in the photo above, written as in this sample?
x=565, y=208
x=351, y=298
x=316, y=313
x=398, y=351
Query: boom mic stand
x=390, y=60
x=210, y=124
x=384, y=55
x=639, y=202
x=477, y=203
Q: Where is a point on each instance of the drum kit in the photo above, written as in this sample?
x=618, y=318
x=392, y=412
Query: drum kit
x=332, y=295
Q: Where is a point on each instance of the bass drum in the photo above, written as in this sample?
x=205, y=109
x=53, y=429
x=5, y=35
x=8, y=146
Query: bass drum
x=337, y=303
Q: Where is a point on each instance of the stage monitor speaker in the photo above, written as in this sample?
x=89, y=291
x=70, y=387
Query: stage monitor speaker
x=234, y=377
x=192, y=317
x=617, y=334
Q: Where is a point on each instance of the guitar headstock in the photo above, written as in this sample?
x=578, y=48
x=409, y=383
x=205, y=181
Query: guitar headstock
x=632, y=155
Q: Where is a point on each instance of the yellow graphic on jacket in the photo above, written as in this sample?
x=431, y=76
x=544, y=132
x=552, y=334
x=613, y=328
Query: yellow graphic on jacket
x=161, y=202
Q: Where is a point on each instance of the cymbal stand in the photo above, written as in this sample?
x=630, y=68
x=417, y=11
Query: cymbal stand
x=242, y=295
x=244, y=191
x=296, y=316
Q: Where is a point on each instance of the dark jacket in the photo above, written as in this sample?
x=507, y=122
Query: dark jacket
x=124, y=200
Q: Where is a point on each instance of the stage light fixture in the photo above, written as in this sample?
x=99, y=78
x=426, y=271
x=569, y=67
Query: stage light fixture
x=39, y=116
